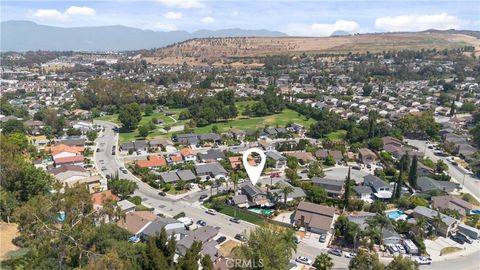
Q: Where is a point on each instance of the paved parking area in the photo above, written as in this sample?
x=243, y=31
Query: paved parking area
x=312, y=239
x=435, y=246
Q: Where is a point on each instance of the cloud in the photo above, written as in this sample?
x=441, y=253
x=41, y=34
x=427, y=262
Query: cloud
x=234, y=13
x=56, y=15
x=208, y=19
x=164, y=27
x=80, y=11
x=183, y=3
x=173, y=15
x=440, y=21
x=322, y=29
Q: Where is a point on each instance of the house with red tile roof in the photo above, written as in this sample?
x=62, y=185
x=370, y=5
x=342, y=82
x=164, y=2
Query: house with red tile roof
x=62, y=150
x=176, y=159
x=99, y=198
x=154, y=161
x=188, y=154
x=72, y=160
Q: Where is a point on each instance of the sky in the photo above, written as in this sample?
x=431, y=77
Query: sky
x=298, y=18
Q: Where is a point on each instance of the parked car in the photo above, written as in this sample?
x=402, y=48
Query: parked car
x=240, y=237
x=464, y=237
x=304, y=260
x=323, y=238
x=202, y=222
x=392, y=248
x=401, y=249
x=235, y=220
x=211, y=211
x=203, y=197
x=351, y=255
x=297, y=240
x=457, y=239
x=123, y=170
x=423, y=260
x=161, y=193
x=335, y=251
x=221, y=239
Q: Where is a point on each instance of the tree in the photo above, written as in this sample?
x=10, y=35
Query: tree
x=315, y=169
x=402, y=263
x=347, y=189
x=143, y=131
x=323, y=262
x=441, y=166
x=364, y=260
x=153, y=257
x=412, y=176
x=123, y=187
x=92, y=135
x=207, y=263
x=148, y=110
x=398, y=185
x=375, y=143
x=453, y=108
x=292, y=162
x=130, y=115
x=329, y=161
x=191, y=258
x=367, y=89
x=287, y=189
x=266, y=244
x=215, y=129
x=12, y=126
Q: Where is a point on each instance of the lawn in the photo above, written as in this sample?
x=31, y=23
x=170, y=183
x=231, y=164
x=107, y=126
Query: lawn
x=252, y=218
x=126, y=135
x=337, y=135
x=241, y=122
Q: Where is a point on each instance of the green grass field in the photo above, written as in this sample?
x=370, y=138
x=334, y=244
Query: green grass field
x=338, y=135
x=241, y=122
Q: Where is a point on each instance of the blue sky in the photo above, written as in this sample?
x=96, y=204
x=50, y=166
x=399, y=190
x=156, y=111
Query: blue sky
x=305, y=18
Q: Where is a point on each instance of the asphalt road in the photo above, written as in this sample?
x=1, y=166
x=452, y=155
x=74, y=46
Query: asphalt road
x=470, y=184
x=192, y=207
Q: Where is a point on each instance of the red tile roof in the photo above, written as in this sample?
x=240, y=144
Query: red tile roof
x=99, y=198
x=152, y=161
x=65, y=160
x=186, y=152
x=176, y=158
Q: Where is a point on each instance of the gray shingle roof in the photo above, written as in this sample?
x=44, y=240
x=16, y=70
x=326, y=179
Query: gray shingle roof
x=428, y=184
x=374, y=182
x=169, y=177
x=430, y=214
x=186, y=175
x=210, y=168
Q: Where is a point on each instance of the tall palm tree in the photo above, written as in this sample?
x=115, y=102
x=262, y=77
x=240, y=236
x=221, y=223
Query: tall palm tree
x=421, y=224
x=323, y=262
x=235, y=181
x=379, y=220
x=285, y=191
x=289, y=237
x=219, y=181
x=437, y=220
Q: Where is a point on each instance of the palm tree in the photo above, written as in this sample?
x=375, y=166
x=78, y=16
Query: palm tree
x=289, y=237
x=421, y=224
x=379, y=220
x=235, y=181
x=285, y=191
x=323, y=262
x=436, y=221
x=219, y=182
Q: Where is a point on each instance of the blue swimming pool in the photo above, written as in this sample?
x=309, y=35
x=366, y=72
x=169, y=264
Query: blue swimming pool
x=263, y=211
x=394, y=214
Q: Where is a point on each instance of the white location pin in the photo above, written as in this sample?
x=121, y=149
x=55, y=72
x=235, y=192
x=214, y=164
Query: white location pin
x=254, y=172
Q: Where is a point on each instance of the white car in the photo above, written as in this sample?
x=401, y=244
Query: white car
x=211, y=211
x=351, y=255
x=303, y=260
x=423, y=260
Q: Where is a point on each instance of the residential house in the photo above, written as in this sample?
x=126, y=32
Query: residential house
x=364, y=192
x=141, y=145
x=323, y=154
x=126, y=206
x=153, y=161
x=73, y=160
x=211, y=155
x=175, y=159
x=240, y=201
x=255, y=196
x=280, y=160
x=188, y=154
x=136, y=221
x=186, y=175
x=381, y=189
x=236, y=162
x=276, y=194
x=169, y=177
x=303, y=157
x=214, y=170
x=210, y=137
x=204, y=235
x=99, y=198
x=237, y=134
x=188, y=139
x=267, y=146
x=299, y=129
x=427, y=184
x=73, y=142
x=314, y=217
x=469, y=231
x=333, y=187
x=447, y=224
x=361, y=219
x=367, y=156
x=390, y=237
x=160, y=142
x=452, y=203
x=171, y=226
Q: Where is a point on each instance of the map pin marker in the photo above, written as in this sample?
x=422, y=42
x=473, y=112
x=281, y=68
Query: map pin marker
x=254, y=172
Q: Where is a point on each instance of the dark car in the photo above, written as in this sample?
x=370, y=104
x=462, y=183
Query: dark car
x=202, y=222
x=323, y=238
x=221, y=239
x=161, y=193
x=335, y=251
x=235, y=220
x=203, y=197
x=240, y=237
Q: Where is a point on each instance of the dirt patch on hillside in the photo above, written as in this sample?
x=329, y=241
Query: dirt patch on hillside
x=8, y=232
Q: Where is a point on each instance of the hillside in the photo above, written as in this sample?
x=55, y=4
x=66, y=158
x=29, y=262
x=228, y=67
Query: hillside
x=222, y=50
x=26, y=35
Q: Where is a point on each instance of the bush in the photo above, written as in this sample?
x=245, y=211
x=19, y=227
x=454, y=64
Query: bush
x=137, y=200
x=179, y=215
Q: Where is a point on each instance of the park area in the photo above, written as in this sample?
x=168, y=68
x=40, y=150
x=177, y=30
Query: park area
x=241, y=122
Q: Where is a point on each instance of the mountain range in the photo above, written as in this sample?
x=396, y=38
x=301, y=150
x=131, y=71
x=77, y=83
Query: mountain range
x=26, y=35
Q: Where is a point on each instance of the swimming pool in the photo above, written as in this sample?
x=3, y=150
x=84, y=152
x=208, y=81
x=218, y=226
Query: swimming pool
x=263, y=211
x=395, y=214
